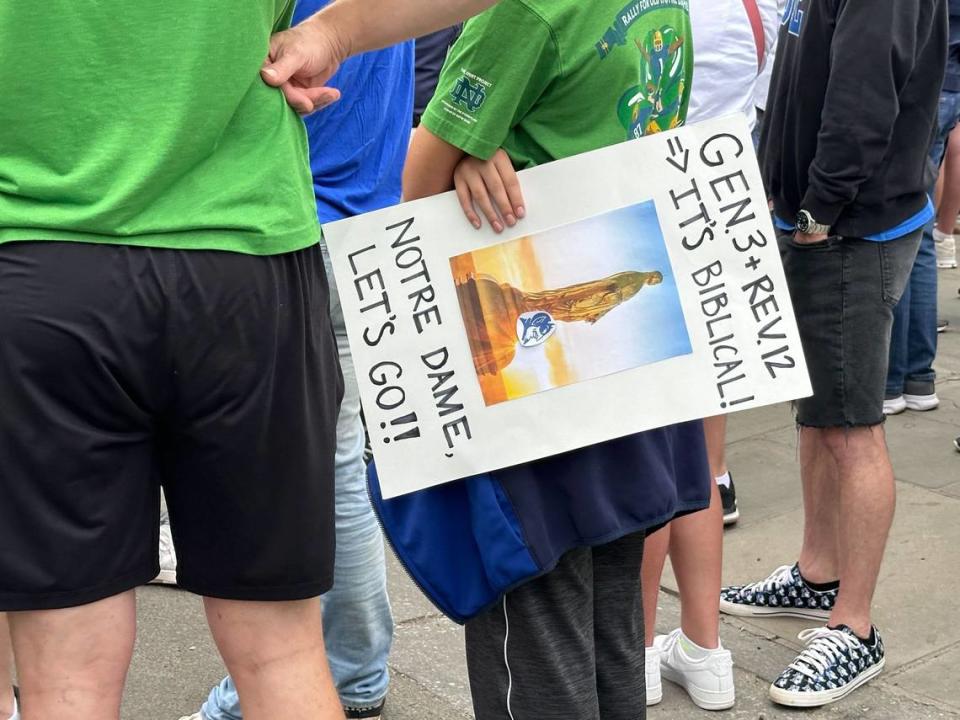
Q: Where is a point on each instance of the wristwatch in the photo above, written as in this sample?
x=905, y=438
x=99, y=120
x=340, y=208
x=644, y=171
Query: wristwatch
x=808, y=226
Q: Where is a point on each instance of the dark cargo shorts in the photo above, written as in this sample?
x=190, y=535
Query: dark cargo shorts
x=844, y=291
x=123, y=369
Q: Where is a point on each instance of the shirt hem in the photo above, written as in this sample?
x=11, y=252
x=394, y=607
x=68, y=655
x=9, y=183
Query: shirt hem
x=455, y=135
x=239, y=241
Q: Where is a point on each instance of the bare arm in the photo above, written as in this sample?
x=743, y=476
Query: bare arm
x=303, y=58
x=430, y=165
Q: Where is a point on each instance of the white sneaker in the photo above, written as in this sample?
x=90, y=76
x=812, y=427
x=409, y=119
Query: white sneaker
x=946, y=247
x=168, y=561
x=894, y=405
x=16, y=709
x=652, y=671
x=195, y=716
x=920, y=396
x=707, y=680
x=921, y=403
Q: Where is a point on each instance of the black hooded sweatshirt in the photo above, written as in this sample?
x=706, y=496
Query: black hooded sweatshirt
x=852, y=111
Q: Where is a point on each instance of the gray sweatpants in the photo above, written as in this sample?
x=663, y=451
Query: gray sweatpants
x=566, y=646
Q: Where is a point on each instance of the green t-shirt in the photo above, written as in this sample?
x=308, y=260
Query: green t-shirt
x=546, y=79
x=147, y=123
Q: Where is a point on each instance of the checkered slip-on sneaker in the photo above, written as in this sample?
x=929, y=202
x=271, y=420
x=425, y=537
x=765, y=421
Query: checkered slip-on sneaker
x=834, y=663
x=783, y=593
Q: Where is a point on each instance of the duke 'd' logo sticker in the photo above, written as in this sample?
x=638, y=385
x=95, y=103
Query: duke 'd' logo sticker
x=534, y=328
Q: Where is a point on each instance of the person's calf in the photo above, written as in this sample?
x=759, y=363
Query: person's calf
x=275, y=655
x=819, y=561
x=866, y=505
x=72, y=663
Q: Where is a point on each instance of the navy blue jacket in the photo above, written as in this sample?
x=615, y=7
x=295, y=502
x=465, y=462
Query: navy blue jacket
x=468, y=542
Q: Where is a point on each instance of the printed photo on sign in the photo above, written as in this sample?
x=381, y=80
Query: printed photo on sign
x=577, y=302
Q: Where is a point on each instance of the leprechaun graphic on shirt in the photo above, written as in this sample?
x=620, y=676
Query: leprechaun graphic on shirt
x=659, y=100
x=546, y=79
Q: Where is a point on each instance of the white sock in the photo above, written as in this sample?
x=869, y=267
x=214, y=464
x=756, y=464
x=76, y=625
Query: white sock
x=724, y=480
x=694, y=651
x=940, y=236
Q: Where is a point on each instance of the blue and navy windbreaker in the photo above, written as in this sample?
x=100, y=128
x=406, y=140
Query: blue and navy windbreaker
x=468, y=542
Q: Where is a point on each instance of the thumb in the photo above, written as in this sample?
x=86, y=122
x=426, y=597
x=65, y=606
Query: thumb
x=284, y=62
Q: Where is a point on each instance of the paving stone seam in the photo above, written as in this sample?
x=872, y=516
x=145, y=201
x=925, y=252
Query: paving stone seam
x=884, y=686
x=420, y=620
x=761, y=434
x=923, y=659
x=434, y=696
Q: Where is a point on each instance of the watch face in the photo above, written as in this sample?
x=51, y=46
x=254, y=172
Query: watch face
x=803, y=222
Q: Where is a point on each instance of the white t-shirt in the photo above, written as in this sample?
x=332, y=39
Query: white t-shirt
x=763, y=82
x=725, y=72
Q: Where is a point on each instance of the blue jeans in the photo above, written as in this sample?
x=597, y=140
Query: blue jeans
x=357, y=622
x=913, y=345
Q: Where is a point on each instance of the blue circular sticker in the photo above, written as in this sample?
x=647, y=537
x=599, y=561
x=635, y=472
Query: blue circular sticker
x=534, y=328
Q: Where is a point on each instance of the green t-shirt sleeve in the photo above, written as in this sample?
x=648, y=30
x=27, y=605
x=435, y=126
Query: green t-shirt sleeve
x=494, y=74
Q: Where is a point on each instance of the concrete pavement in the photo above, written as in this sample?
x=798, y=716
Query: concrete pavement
x=916, y=607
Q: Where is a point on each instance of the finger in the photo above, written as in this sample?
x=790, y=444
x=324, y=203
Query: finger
x=479, y=191
x=321, y=97
x=309, y=100
x=283, y=63
x=297, y=98
x=466, y=201
x=491, y=178
x=511, y=183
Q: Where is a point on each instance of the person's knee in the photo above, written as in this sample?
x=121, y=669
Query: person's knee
x=844, y=444
x=254, y=635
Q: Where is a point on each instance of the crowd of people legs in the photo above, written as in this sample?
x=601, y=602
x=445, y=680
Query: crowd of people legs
x=173, y=321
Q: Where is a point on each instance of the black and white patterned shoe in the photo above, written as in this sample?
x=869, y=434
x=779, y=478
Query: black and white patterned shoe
x=834, y=663
x=783, y=593
x=728, y=497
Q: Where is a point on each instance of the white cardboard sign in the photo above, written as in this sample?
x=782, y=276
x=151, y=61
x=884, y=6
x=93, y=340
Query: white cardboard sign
x=643, y=288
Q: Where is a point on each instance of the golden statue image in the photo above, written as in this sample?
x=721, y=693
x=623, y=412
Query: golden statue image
x=491, y=310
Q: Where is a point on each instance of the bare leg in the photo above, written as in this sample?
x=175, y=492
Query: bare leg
x=274, y=652
x=949, y=206
x=696, y=553
x=651, y=569
x=819, y=558
x=73, y=663
x=867, y=502
x=6, y=670
x=695, y=544
x=715, y=433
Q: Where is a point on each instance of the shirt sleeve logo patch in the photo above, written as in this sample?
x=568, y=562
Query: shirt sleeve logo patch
x=469, y=95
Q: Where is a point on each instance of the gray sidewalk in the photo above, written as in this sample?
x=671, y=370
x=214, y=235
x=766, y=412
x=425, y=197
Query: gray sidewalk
x=916, y=607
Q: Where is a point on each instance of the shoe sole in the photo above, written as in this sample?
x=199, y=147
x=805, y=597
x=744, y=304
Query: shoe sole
x=654, y=695
x=166, y=577
x=946, y=266
x=740, y=610
x=824, y=697
x=731, y=518
x=703, y=699
x=921, y=403
x=894, y=408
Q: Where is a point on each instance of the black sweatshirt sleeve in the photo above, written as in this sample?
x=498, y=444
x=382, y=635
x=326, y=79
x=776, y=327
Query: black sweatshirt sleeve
x=873, y=52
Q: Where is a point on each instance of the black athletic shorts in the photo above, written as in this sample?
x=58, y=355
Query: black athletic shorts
x=124, y=369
